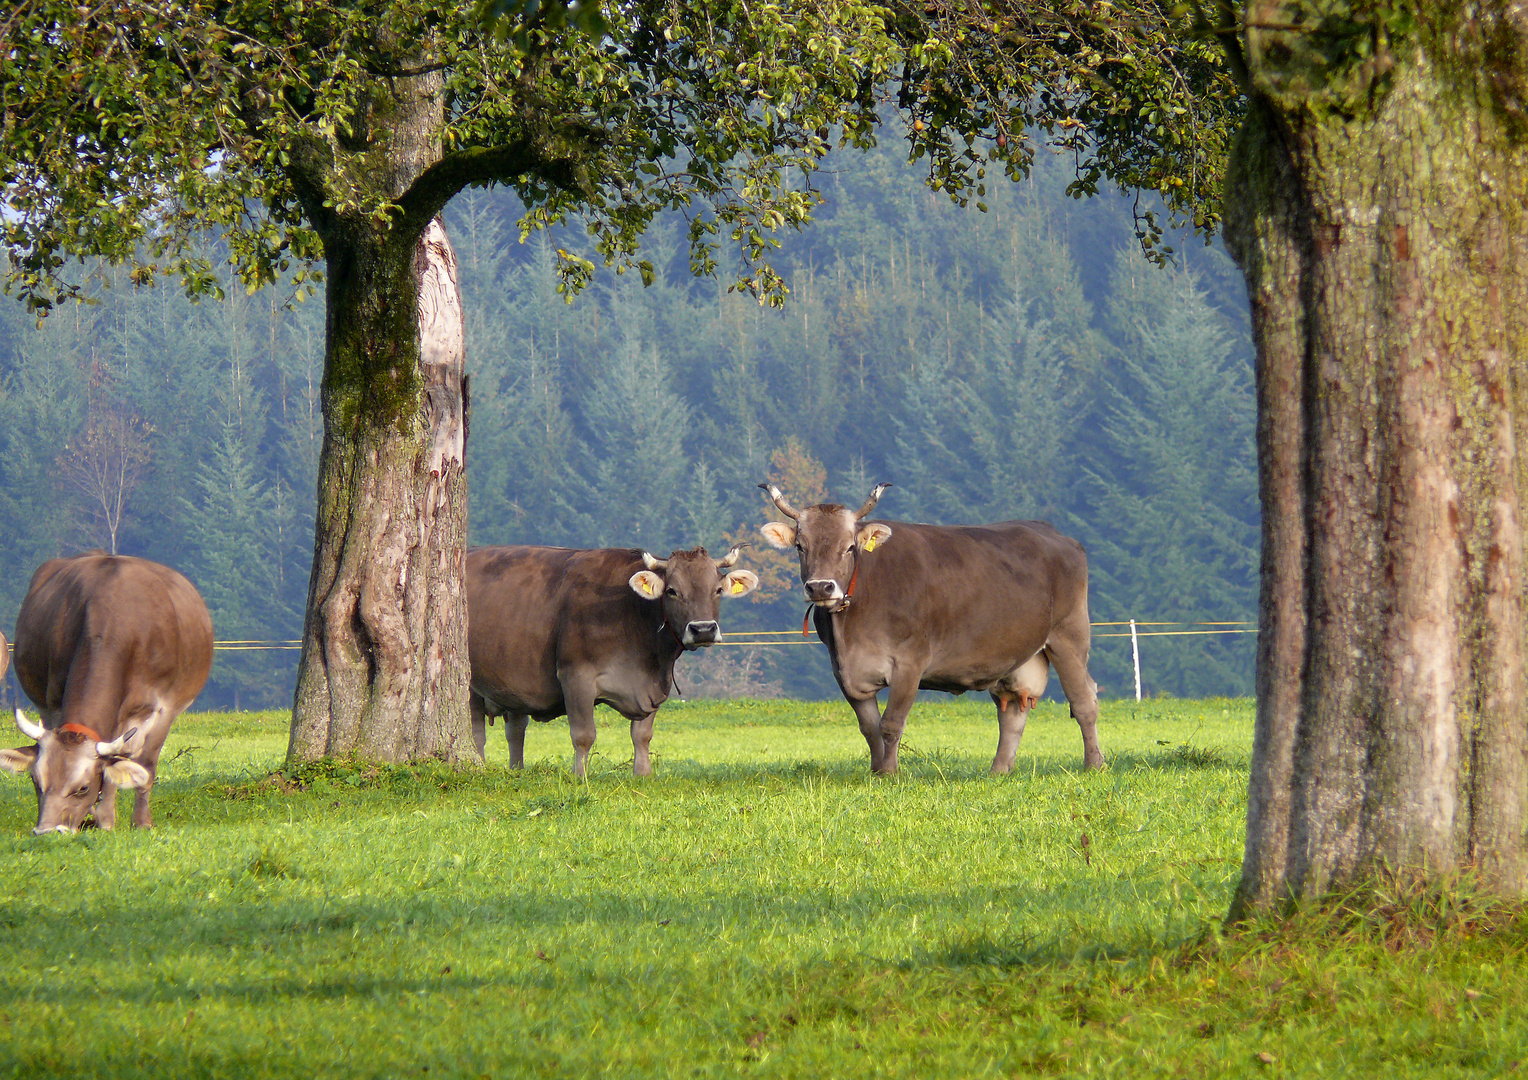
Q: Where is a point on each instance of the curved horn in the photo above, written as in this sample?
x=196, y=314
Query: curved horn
x=29, y=729
x=118, y=746
x=780, y=504
x=875, y=497
x=652, y=563
x=730, y=558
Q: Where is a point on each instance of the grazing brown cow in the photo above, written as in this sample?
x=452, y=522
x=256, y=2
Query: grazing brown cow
x=553, y=631
x=944, y=607
x=112, y=649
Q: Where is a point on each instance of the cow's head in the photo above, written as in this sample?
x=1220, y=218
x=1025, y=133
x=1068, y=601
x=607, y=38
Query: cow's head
x=691, y=585
x=68, y=765
x=829, y=539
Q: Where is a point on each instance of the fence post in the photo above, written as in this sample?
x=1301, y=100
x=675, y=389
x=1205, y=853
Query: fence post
x=1135, y=654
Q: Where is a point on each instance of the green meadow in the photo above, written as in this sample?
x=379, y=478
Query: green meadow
x=761, y=906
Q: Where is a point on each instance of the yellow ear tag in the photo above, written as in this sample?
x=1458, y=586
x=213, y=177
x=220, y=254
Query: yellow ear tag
x=648, y=587
x=870, y=544
x=737, y=587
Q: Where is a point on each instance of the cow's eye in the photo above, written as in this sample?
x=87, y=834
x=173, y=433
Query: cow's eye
x=718, y=590
x=81, y=793
x=670, y=591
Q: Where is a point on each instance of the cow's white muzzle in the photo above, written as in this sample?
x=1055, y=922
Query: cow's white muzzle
x=702, y=633
x=824, y=591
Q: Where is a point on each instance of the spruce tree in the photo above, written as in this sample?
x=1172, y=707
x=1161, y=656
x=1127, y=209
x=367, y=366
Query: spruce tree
x=1173, y=525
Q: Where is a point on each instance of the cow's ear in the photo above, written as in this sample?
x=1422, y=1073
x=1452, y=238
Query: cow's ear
x=646, y=584
x=740, y=583
x=779, y=534
x=126, y=773
x=19, y=759
x=873, y=534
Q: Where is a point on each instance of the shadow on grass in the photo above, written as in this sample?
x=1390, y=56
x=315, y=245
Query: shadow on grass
x=328, y=934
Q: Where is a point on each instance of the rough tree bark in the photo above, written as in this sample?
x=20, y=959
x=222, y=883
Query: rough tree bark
x=383, y=673
x=1377, y=208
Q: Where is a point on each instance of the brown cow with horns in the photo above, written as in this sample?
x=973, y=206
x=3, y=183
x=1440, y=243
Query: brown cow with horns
x=944, y=607
x=112, y=649
x=553, y=631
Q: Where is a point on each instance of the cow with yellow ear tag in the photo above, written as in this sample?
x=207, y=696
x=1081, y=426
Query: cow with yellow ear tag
x=907, y=606
x=554, y=631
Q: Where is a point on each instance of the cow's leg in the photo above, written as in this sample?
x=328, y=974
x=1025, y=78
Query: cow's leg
x=580, y=704
x=1068, y=652
x=1012, y=712
x=514, y=735
x=142, y=818
x=1014, y=699
x=641, y=737
x=899, y=702
x=479, y=723
x=105, y=811
x=868, y=712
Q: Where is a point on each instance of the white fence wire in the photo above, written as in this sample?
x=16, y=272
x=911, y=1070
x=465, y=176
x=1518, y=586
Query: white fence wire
x=758, y=638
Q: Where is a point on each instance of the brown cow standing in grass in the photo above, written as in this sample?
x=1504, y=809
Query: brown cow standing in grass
x=112, y=649
x=553, y=631
x=944, y=607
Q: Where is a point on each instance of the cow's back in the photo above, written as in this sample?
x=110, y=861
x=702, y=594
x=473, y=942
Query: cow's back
x=979, y=596
x=533, y=613
x=100, y=634
x=514, y=607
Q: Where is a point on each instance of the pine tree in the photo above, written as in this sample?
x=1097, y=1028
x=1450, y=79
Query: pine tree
x=636, y=424
x=234, y=547
x=41, y=407
x=929, y=461
x=1175, y=510
x=1020, y=419
x=705, y=513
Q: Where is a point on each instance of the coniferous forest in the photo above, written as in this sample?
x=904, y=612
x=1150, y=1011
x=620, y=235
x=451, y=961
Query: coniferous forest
x=1026, y=362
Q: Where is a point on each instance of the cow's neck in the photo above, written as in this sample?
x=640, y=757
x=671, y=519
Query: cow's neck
x=668, y=647
x=667, y=643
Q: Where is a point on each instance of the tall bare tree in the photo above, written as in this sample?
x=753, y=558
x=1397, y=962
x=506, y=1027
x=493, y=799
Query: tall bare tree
x=105, y=461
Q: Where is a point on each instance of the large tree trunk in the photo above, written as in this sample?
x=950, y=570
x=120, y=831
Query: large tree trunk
x=1380, y=225
x=383, y=674
x=384, y=664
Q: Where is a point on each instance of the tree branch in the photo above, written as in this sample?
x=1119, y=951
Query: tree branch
x=428, y=195
x=386, y=72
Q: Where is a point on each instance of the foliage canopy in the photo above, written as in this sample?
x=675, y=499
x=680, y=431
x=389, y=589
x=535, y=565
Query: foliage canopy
x=133, y=125
x=130, y=126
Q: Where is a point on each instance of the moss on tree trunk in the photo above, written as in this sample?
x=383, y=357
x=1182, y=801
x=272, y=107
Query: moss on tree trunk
x=1381, y=235
x=383, y=674
x=384, y=666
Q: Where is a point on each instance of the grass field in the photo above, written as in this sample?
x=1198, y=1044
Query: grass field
x=759, y=907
